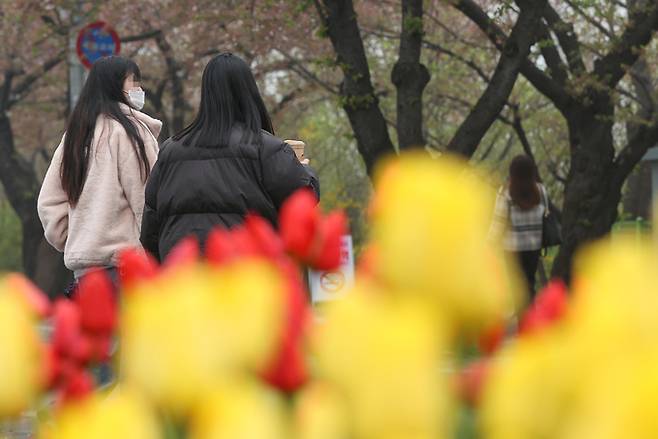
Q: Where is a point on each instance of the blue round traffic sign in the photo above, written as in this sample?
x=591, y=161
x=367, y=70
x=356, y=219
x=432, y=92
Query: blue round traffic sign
x=95, y=41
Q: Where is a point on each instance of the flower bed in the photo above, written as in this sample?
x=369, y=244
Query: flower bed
x=221, y=344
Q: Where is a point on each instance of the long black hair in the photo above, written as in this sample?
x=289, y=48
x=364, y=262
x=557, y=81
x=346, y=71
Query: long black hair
x=523, y=181
x=229, y=95
x=101, y=94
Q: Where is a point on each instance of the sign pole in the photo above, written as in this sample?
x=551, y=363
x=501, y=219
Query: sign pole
x=76, y=69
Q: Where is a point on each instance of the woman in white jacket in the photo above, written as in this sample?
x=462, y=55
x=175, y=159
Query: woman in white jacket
x=92, y=197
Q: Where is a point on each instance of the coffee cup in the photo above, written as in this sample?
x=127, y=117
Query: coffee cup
x=298, y=147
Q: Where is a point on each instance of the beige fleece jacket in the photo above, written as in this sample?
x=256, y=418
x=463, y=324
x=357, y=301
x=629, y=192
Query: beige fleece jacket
x=108, y=216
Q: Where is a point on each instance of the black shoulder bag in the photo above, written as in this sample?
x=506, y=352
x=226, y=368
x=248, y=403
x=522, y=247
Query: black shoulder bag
x=551, y=231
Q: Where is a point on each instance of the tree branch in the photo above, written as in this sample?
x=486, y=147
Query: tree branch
x=491, y=146
x=467, y=62
x=556, y=67
x=176, y=74
x=542, y=82
x=286, y=99
x=464, y=103
x=612, y=67
x=437, y=48
x=520, y=133
x=141, y=37
x=23, y=87
x=6, y=90
x=506, y=150
x=645, y=137
x=455, y=35
x=410, y=77
x=357, y=92
x=588, y=18
x=492, y=101
x=567, y=38
x=301, y=70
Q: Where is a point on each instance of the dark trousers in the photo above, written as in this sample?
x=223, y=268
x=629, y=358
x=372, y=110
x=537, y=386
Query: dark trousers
x=529, y=260
x=103, y=372
x=112, y=272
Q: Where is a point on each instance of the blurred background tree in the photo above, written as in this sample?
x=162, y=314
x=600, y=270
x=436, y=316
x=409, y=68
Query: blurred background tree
x=358, y=80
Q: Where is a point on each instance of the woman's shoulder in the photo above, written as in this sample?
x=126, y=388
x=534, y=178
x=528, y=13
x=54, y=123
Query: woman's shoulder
x=263, y=144
x=141, y=121
x=271, y=143
x=167, y=147
x=108, y=126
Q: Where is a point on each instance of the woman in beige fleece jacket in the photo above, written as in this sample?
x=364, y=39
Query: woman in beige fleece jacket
x=92, y=197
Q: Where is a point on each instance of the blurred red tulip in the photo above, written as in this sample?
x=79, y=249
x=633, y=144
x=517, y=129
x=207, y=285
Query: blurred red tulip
x=185, y=252
x=549, y=306
x=530, y=322
x=220, y=247
x=66, y=326
x=287, y=371
x=245, y=242
x=492, y=338
x=367, y=263
x=264, y=237
x=51, y=366
x=136, y=265
x=79, y=385
x=101, y=347
x=552, y=300
x=95, y=298
x=299, y=219
x=82, y=350
x=471, y=381
x=327, y=249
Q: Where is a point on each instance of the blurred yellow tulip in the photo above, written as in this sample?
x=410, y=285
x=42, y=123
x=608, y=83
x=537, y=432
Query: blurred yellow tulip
x=21, y=357
x=594, y=374
x=240, y=409
x=529, y=389
x=250, y=303
x=320, y=413
x=383, y=355
x=619, y=400
x=616, y=296
x=120, y=415
x=184, y=332
x=430, y=221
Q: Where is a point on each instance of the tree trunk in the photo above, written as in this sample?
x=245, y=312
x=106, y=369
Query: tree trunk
x=596, y=175
x=591, y=195
x=41, y=263
x=357, y=93
x=48, y=270
x=410, y=77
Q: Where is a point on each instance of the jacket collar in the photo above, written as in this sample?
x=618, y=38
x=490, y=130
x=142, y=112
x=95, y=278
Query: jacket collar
x=153, y=124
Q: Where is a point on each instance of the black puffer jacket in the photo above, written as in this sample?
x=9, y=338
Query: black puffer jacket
x=193, y=189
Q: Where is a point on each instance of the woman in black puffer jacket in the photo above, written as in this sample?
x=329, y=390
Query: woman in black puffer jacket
x=225, y=164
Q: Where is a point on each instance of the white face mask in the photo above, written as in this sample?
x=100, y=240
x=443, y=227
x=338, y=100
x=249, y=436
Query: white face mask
x=136, y=97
